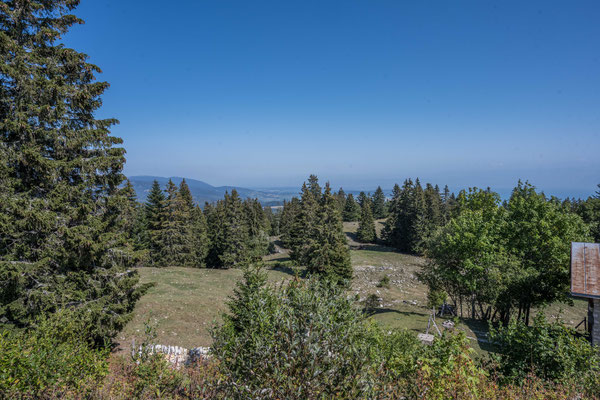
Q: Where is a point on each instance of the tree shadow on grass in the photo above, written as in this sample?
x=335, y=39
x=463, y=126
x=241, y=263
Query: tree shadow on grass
x=285, y=266
x=378, y=247
x=408, y=314
x=480, y=329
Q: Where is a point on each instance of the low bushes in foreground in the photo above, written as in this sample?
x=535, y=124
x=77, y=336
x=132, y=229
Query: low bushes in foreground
x=304, y=339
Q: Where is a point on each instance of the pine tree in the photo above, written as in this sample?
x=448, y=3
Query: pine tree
x=258, y=227
x=62, y=235
x=351, y=209
x=288, y=216
x=170, y=229
x=327, y=253
x=134, y=215
x=313, y=186
x=379, y=209
x=340, y=197
x=362, y=199
x=200, y=238
x=215, y=223
x=235, y=252
x=366, y=228
x=155, y=215
x=393, y=209
x=300, y=236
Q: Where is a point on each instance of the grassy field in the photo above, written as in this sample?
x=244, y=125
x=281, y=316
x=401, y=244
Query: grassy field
x=185, y=302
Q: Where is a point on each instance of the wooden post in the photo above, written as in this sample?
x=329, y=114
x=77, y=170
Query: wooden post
x=594, y=321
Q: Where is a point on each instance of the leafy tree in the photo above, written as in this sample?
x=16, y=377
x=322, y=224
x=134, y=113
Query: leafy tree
x=589, y=211
x=366, y=228
x=62, y=235
x=538, y=234
x=379, y=209
x=351, y=211
x=552, y=351
x=469, y=263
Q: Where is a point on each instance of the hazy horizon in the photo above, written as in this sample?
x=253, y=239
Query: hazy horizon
x=261, y=94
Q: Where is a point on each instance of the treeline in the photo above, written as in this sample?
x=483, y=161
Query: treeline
x=173, y=231
x=311, y=227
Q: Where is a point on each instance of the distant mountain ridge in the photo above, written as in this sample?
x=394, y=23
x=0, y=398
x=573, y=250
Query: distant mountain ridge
x=203, y=192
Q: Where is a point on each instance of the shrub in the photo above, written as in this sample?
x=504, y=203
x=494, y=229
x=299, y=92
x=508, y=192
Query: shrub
x=302, y=340
x=551, y=351
x=52, y=359
x=384, y=282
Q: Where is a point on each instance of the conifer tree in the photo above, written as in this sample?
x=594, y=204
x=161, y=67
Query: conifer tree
x=327, y=253
x=288, y=216
x=379, y=209
x=215, y=223
x=134, y=215
x=390, y=223
x=258, y=227
x=155, y=215
x=362, y=199
x=399, y=234
x=313, y=186
x=300, y=236
x=200, y=238
x=340, y=197
x=170, y=230
x=351, y=209
x=235, y=252
x=62, y=241
x=366, y=228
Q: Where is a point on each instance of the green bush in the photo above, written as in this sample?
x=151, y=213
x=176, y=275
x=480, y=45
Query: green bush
x=384, y=282
x=551, y=351
x=53, y=357
x=301, y=340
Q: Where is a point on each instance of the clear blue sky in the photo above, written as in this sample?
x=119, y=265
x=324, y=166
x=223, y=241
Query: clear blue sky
x=263, y=93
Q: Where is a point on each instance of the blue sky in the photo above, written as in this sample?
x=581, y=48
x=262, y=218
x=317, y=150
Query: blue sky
x=363, y=93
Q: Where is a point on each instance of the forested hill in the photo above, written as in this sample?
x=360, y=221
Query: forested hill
x=203, y=192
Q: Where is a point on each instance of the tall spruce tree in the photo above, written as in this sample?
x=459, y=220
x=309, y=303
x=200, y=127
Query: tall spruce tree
x=366, y=227
x=340, y=197
x=200, y=238
x=258, y=228
x=351, y=211
x=170, y=231
x=362, y=198
x=235, y=246
x=61, y=196
x=326, y=253
x=301, y=233
x=379, y=209
x=155, y=215
x=288, y=216
x=390, y=223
